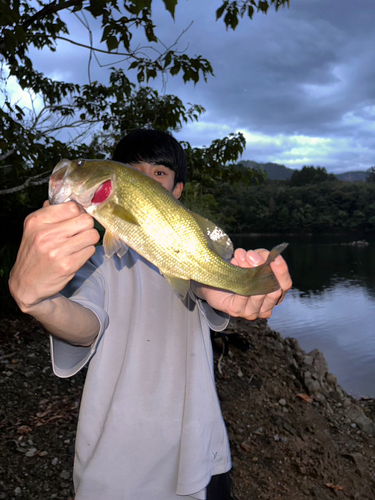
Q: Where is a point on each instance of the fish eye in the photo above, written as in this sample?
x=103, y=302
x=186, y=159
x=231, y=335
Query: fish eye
x=80, y=163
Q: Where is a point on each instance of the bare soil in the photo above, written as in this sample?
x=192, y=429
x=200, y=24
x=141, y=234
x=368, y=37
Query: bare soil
x=294, y=433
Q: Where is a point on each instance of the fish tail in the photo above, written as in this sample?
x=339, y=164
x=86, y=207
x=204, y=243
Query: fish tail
x=262, y=280
x=275, y=252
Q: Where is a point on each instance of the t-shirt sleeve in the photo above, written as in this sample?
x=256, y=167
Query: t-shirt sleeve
x=216, y=320
x=87, y=288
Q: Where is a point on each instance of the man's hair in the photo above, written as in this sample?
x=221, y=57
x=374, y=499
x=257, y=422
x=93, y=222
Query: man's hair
x=155, y=147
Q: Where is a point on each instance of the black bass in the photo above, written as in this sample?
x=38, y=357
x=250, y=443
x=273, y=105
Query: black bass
x=139, y=212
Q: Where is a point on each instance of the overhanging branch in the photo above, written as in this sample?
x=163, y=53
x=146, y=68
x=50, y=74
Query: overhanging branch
x=51, y=8
x=31, y=181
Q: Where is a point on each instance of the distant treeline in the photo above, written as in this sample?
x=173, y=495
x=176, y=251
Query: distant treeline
x=321, y=204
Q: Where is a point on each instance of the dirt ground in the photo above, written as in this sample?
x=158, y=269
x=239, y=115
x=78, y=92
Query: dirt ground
x=294, y=433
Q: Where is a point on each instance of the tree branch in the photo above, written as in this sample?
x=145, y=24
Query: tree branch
x=8, y=153
x=31, y=181
x=51, y=8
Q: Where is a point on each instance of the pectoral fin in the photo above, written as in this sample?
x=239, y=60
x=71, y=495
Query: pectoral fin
x=112, y=244
x=180, y=286
x=216, y=238
x=124, y=214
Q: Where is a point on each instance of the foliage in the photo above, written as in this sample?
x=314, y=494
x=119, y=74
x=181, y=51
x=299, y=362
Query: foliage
x=32, y=140
x=310, y=175
x=370, y=175
x=277, y=207
x=233, y=10
x=64, y=119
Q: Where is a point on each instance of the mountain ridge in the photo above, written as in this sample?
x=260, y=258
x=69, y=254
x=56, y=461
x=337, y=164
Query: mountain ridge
x=276, y=171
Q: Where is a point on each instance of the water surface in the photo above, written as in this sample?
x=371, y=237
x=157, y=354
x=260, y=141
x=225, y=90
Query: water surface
x=331, y=305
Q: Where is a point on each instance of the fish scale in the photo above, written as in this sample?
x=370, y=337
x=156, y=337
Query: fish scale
x=141, y=213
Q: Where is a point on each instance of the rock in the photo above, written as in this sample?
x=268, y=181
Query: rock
x=331, y=380
x=308, y=360
x=313, y=386
x=31, y=452
x=245, y=447
x=355, y=413
x=66, y=475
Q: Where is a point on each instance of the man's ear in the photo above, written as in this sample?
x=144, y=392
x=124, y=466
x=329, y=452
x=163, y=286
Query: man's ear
x=177, y=190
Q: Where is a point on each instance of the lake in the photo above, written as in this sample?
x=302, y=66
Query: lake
x=331, y=306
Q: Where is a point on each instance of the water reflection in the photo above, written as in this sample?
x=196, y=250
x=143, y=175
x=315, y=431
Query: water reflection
x=331, y=306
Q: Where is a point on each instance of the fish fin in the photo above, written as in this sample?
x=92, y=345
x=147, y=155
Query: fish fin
x=124, y=214
x=261, y=278
x=180, y=286
x=275, y=252
x=217, y=240
x=113, y=245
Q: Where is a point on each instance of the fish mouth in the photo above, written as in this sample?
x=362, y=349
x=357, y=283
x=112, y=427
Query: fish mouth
x=87, y=188
x=57, y=191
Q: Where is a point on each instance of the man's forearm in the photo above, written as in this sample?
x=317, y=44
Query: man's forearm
x=67, y=320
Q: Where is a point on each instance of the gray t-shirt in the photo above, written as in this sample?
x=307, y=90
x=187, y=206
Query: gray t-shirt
x=150, y=425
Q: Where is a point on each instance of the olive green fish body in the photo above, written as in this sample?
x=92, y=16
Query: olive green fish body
x=142, y=214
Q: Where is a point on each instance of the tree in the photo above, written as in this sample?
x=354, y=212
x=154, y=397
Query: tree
x=310, y=175
x=231, y=11
x=29, y=146
x=370, y=177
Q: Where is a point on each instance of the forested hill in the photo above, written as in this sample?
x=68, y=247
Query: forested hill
x=280, y=172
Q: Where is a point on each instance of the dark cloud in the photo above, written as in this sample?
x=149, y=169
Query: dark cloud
x=299, y=83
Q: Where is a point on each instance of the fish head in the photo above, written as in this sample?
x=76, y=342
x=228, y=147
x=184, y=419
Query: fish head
x=87, y=182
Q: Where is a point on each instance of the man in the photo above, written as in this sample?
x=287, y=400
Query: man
x=150, y=425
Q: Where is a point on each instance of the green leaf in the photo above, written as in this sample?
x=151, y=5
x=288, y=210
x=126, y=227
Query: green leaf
x=106, y=32
x=250, y=11
x=139, y=5
x=97, y=7
x=170, y=6
x=220, y=10
x=141, y=75
x=112, y=43
x=175, y=68
x=263, y=6
x=167, y=59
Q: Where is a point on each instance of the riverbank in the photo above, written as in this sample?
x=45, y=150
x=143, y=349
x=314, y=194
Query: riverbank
x=294, y=433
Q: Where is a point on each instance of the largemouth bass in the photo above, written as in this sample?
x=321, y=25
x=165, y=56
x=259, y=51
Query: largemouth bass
x=138, y=212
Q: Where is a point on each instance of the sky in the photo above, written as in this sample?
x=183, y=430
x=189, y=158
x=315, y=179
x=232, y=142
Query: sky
x=299, y=83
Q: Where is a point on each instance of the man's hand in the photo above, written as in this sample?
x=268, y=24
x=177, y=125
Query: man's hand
x=255, y=306
x=57, y=241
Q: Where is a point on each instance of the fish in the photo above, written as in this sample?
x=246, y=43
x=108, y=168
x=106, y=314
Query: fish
x=138, y=212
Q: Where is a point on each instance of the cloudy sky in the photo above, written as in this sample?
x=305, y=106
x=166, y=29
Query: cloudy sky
x=299, y=83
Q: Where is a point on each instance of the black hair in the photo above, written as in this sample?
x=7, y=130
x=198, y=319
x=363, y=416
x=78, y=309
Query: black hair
x=155, y=147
